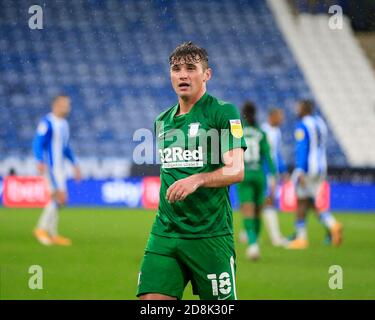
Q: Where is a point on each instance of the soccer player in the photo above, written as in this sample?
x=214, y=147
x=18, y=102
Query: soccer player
x=273, y=132
x=51, y=147
x=192, y=236
x=253, y=188
x=311, y=169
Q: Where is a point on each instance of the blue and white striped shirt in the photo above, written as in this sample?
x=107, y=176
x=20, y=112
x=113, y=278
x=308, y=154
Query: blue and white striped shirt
x=51, y=142
x=274, y=140
x=311, y=138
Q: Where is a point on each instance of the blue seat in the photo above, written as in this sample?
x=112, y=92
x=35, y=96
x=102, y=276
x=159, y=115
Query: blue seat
x=111, y=57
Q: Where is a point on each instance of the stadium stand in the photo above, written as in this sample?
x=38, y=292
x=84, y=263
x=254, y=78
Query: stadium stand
x=111, y=57
x=340, y=76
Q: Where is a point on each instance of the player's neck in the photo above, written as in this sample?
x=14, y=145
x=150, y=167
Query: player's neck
x=185, y=105
x=273, y=125
x=57, y=115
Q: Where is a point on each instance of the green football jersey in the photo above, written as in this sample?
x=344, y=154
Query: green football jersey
x=189, y=144
x=258, y=153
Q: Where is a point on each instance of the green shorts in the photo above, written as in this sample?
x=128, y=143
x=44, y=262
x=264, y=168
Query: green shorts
x=253, y=189
x=170, y=263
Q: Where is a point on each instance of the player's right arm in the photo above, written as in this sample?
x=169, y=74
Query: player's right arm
x=301, y=153
x=39, y=144
x=265, y=151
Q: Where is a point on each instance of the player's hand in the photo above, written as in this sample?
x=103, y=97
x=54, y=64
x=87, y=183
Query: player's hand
x=272, y=185
x=302, y=180
x=179, y=190
x=77, y=173
x=41, y=167
x=60, y=197
x=270, y=201
x=285, y=177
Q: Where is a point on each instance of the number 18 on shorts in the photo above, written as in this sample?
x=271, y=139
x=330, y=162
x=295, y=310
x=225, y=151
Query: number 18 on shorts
x=208, y=263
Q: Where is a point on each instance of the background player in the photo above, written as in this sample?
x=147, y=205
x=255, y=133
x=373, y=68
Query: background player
x=273, y=132
x=252, y=189
x=51, y=147
x=192, y=236
x=310, y=172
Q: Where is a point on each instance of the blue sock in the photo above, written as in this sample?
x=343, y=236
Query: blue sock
x=327, y=219
x=301, y=229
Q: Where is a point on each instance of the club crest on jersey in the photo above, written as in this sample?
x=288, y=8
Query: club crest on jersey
x=299, y=134
x=193, y=129
x=236, y=128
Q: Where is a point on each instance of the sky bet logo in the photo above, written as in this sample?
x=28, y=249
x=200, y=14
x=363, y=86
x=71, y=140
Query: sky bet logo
x=177, y=157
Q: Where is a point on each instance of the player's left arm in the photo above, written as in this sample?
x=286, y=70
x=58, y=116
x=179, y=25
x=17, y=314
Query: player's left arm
x=232, y=145
x=68, y=153
x=266, y=154
x=282, y=168
x=232, y=172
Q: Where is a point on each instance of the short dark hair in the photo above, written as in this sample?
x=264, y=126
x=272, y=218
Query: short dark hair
x=307, y=105
x=191, y=53
x=249, y=111
x=274, y=110
x=59, y=96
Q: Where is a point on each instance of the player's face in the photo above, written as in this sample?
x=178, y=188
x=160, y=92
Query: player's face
x=189, y=79
x=299, y=110
x=279, y=118
x=62, y=107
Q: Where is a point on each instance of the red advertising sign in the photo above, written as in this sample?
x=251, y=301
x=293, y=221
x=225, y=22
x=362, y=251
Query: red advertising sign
x=25, y=192
x=150, y=196
x=288, y=198
x=322, y=201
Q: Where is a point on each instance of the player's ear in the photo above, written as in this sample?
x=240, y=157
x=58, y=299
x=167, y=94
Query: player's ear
x=207, y=74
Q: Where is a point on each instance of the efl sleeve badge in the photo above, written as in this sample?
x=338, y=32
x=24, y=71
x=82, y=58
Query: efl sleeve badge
x=236, y=128
x=299, y=134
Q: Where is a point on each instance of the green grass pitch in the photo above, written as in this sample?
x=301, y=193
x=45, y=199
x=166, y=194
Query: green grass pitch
x=108, y=246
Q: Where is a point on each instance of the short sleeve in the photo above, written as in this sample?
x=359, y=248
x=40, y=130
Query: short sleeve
x=231, y=131
x=42, y=136
x=42, y=128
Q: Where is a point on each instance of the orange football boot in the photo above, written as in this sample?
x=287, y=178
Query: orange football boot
x=42, y=236
x=61, y=241
x=298, y=244
x=336, y=234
